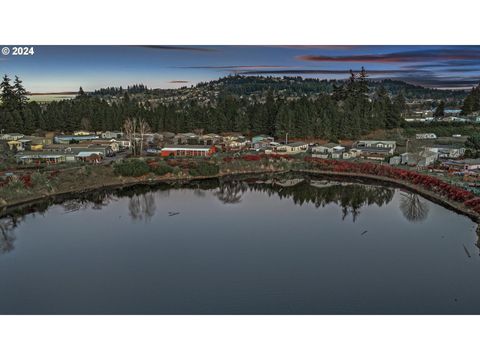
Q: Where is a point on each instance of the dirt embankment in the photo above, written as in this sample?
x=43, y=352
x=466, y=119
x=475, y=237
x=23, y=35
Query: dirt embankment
x=115, y=183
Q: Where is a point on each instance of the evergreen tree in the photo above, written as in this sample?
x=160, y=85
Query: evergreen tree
x=440, y=110
x=7, y=96
x=473, y=142
x=19, y=93
x=29, y=125
x=472, y=101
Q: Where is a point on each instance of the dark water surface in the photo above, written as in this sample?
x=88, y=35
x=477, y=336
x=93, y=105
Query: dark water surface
x=241, y=248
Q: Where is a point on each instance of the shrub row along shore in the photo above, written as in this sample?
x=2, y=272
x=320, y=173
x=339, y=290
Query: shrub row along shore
x=452, y=196
x=38, y=186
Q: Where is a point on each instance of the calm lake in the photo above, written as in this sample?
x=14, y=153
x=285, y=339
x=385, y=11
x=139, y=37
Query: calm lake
x=288, y=246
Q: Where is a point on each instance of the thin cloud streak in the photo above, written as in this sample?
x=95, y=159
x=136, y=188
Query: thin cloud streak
x=441, y=82
x=330, y=47
x=327, y=72
x=442, y=64
x=235, y=67
x=398, y=57
x=177, y=48
x=462, y=70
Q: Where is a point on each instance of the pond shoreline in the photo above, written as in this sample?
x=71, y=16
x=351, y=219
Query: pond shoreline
x=430, y=195
x=132, y=182
x=121, y=183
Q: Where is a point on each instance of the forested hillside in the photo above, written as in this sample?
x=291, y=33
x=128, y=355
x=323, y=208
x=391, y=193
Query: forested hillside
x=320, y=108
x=259, y=86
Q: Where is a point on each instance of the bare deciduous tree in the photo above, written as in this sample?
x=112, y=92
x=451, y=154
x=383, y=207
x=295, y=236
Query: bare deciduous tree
x=143, y=128
x=130, y=128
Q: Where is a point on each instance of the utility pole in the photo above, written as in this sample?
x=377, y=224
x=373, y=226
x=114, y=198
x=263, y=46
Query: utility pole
x=286, y=138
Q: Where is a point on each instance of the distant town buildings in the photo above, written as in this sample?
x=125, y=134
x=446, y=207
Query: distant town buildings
x=96, y=147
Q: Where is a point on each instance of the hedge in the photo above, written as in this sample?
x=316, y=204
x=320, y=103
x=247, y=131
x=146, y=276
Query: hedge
x=132, y=167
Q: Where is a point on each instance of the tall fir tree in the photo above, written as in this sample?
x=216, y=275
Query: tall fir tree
x=20, y=94
x=472, y=101
x=7, y=95
x=440, y=110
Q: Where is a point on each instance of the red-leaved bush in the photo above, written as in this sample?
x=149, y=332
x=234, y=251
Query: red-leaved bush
x=250, y=157
x=425, y=181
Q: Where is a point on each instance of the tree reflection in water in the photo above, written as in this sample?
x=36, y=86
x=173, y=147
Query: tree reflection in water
x=413, y=207
x=142, y=207
x=350, y=197
x=231, y=192
x=98, y=200
x=7, y=235
x=141, y=203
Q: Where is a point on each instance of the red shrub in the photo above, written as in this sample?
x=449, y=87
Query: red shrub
x=425, y=181
x=27, y=180
x=278, y=156
x=474, y=202
x=250, y=157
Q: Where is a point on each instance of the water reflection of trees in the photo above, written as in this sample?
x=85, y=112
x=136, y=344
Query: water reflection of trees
x=413, y=207
x=142, y=207
x=231, y=192
x=96, y=200
x=351, y=198
x=7, y=233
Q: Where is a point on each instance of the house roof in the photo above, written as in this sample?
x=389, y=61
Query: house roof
x=38, y=155
x=88, y=153
x=95, y=149
x=187, y=147
x=377, y=141
x=296, y=144
x=77, y=137
x=374, y=149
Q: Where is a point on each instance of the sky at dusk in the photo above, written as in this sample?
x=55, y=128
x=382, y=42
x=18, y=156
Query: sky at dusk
x=66, y=68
